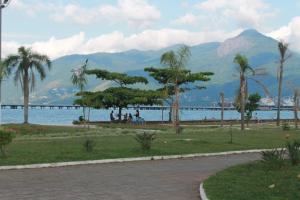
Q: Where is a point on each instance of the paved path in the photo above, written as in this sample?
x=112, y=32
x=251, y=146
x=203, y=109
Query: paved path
x=151, y=180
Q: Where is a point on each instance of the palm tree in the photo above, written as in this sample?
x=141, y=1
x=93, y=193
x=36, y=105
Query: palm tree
x=25, y=64
x=4, y=72
x=243, y=68
x=177, y=63
x=79, y=80
x=283, y=48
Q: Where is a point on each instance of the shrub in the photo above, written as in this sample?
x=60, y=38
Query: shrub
x=145, y=140
x=286, y=127
x=89, y=145
x=294, y=152
x=6, y=138
x=274, y=158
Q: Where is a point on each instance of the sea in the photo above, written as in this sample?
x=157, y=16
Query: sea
x=65, y=116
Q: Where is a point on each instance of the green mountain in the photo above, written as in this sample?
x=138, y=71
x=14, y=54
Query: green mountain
x=215, y=57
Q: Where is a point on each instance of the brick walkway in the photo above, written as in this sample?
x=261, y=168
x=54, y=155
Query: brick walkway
x=151, y=180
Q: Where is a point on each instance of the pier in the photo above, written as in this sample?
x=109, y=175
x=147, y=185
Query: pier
x=192, y=108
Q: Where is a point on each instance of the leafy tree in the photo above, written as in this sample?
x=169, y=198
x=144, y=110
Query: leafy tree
x=251, y=106
x=25, y=65
x=175, y=78
x=243, y=69
x=79, y=80
x=283, y=49
x=122, y=95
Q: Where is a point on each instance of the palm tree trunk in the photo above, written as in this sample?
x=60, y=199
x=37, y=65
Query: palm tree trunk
x=26, y=95
x=243, y=102
x=279, y=94
x=296, y=104
x=222, y=108
x=176, y=106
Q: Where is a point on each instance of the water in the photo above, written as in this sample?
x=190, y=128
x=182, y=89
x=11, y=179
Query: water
x=65, y=117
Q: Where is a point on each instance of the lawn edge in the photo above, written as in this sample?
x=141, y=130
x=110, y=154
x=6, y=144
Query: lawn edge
x=122, y=160
x=202, y=193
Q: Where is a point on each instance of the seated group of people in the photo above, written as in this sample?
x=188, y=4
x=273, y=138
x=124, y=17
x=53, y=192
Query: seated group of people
x=126, y=117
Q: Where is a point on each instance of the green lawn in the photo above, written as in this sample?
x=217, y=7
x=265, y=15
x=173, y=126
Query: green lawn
x=254, y=181
x=43, y=144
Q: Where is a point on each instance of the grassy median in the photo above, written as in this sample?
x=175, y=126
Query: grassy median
x=43, y=144
x=255, y=181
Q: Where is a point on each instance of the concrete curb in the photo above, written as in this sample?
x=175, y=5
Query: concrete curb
x=121, y=160
x=202, y=192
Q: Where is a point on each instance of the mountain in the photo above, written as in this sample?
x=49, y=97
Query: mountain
x=216, y=57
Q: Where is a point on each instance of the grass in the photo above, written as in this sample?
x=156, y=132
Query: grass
x=43, y=144
x=255, y=181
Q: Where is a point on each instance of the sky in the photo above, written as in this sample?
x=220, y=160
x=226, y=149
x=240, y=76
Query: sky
x=63, y=27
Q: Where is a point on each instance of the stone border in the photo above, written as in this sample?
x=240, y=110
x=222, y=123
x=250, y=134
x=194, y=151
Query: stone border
x=121, y=160
x=202, y=192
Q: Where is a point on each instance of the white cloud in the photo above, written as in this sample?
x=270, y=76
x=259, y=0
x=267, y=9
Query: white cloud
x=289, y=33
x=246, y=13
x=137, y=13
x=118, y=42
x=188, y=19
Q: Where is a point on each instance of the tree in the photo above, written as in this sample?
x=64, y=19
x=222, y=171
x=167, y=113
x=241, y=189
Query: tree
x=4, y=73
x=122, y=95
x=79, y=80
x=283, y=49
x=174, y=76
x=251, y=106
x=243, y=68
x=25, y=65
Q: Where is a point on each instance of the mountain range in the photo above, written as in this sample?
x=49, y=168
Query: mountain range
x=216, y=57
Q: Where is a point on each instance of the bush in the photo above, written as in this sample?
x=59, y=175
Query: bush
x=274, y=158
x=89, y=145
x=294, y=152
x=145, y=140
x=6, y=138
x=286, y=127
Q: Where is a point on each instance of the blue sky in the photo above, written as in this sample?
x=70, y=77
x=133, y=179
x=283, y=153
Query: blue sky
x=62, y=27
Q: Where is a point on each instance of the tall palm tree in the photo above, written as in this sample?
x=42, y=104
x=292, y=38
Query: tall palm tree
x=243, y=68
x=79, y=79
x=177, y=62
x=283, y=49
x=25, y=64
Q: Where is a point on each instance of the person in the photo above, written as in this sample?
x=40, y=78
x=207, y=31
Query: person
x=137, y=114
x=125, y=117
x=112, y=118
x=130, y=117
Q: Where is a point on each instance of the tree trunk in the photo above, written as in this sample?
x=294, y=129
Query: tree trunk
x=176, y=108
x=242, y=102
x=222, y=108
x=296, y=104
x=26, y=95
x=279, y=94
x=120, y=114
x=89, y=113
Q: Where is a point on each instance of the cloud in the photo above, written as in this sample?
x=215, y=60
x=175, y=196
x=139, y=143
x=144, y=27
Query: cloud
x=246, y=13
x=137, y=13
x=289, y=33
x=188, y=19
x=118, y=42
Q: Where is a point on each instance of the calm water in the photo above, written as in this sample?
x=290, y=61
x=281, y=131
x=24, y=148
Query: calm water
x=66, y=117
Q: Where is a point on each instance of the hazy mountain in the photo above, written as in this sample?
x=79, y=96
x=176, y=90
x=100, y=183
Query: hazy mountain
x=215, y=57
